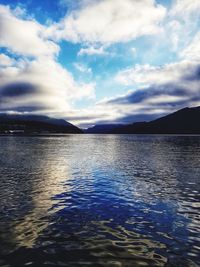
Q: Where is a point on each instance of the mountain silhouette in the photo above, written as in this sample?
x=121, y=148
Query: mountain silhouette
x=184, y=121
x=102, y=128
x=10, y=123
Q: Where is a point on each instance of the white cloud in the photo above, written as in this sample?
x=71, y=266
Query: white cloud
x=110, y=21
x=192, y=51
x=35, y=82
x=92, y=51
x=82, y=68
x=50, y=86
x=147, y=75
x=24, y=37
x=93, y=115
x=6, y=60
x=185, y=8
x=183, y=19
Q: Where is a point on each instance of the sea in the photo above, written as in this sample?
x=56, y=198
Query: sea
x=99, y=200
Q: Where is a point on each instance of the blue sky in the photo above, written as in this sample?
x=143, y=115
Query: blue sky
x=99, y=61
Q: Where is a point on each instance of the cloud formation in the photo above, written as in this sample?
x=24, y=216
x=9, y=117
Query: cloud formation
x=158, y=91
x=165, y=89
x=146, y=75
x=82, y=68
x=6, y=60
x=41, y=83
x=192, y=51
x=108, y=21
x=34, y=81
x=92, y=51
x=24, y=37
x=185, y=8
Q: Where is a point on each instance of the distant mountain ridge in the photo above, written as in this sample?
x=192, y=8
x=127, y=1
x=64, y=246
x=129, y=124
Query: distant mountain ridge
x=184, y=121
x=103, y=128
x=35, y=124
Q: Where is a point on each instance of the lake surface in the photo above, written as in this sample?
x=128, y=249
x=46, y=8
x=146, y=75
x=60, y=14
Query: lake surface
x=100, y=200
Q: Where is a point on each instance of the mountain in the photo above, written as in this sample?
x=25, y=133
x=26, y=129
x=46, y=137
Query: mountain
x=102, y=128
x=184, y=121
x=35, y=124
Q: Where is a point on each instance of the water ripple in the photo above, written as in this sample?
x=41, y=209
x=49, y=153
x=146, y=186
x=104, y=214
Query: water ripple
x=97, y=200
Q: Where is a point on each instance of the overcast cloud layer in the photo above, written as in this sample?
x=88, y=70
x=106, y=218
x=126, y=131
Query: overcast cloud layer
x=103, y=61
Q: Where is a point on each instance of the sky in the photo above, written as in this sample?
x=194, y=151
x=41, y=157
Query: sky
x=99, y=61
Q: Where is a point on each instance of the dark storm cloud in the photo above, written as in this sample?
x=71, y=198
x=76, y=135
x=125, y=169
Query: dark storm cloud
x=142, y=95
x=18, y=97
x=24, y=109
x=17, y=90
x=195, y=76
x=158, y=100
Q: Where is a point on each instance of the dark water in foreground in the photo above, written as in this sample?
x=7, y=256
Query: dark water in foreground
x=100, y=200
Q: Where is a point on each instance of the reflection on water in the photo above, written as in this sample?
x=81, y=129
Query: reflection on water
x=100, y=200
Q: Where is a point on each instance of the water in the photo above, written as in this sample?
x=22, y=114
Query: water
x=100, y=200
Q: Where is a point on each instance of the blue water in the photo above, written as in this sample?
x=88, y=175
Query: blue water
x=100, y=200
